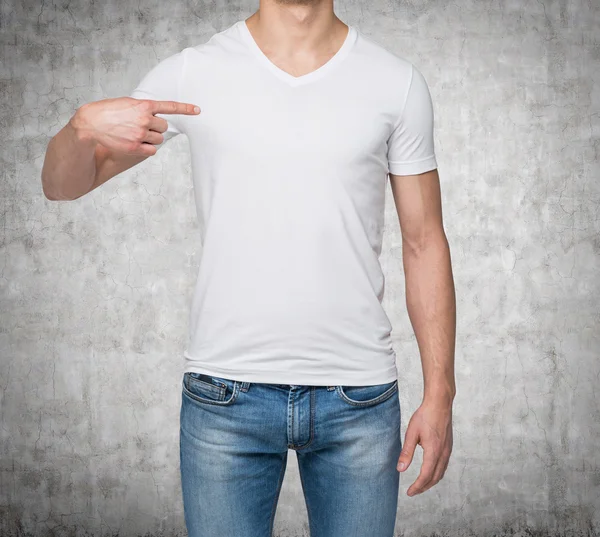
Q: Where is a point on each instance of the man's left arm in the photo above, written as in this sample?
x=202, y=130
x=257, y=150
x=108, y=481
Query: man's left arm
x=431, y=307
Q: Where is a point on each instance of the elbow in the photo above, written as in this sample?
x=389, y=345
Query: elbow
x=47, y=191
x=49, y=196
x=51, y=193
x=416, y=245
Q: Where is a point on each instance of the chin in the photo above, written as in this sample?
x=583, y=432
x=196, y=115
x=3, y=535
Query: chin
x=298, y=2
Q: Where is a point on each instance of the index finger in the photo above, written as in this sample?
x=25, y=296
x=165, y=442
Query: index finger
x=173, y=107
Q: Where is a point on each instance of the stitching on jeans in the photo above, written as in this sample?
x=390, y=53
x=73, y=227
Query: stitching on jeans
x=310, y=519
x=291, y=443
x=312, y=421
x=220, y=387
x=380, y=398
x=201, y=400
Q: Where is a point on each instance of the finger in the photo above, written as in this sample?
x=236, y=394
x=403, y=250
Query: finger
x=408, y=449
x=148, y=149
x=426, y=473
x=153, y=137
x=445, y=465
x=173, y=107
x=437, y=474
x=143, y=150
x=158, y=124
x=146, y=144
x=445, y=458
x=440, y=468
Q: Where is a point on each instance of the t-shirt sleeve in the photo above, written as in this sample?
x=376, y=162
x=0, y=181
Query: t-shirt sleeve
x=411, y=146
x=161, y=83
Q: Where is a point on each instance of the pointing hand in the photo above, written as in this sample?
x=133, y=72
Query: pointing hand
x=128, y=125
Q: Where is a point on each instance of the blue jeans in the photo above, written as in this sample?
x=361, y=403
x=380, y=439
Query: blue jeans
x=234, y=441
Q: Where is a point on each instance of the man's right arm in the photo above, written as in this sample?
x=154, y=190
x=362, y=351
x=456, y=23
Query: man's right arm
x=103, y=139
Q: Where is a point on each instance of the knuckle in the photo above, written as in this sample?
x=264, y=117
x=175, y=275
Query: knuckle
x=131, y=147
x=139, y=134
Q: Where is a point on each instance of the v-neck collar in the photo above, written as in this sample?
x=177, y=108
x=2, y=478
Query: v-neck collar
x=284, y=75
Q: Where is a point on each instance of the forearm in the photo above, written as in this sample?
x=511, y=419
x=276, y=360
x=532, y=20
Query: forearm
x=431, y=306
x=69, y=166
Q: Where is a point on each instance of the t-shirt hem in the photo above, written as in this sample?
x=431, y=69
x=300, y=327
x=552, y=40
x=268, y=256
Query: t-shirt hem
x=355, y=378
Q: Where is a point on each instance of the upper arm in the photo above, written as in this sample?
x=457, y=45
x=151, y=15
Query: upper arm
x=412, y=167
x=419, y=207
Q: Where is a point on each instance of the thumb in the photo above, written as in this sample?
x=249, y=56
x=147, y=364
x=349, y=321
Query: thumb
x=408, y=450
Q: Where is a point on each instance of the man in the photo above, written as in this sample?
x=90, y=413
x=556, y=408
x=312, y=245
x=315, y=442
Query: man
x=301, y=121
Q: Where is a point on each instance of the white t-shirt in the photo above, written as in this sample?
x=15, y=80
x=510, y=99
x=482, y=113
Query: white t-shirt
x=289, y=177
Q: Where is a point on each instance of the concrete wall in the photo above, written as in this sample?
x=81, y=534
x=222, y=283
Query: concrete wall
x=95, y=292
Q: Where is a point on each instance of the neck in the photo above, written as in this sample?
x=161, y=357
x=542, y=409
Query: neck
x=288, y=28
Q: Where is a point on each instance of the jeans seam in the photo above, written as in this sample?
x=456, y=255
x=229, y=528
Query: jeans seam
x=311, y=425
x=291, y=443
x=306, y=501
x=312, y=421
x=277, y=492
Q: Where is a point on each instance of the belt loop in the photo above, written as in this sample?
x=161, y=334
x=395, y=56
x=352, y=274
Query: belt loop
x=329, y=388
x=245, y=386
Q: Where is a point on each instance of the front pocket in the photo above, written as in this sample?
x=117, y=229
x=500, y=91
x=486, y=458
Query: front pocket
x=367, y=395
x=209, y=389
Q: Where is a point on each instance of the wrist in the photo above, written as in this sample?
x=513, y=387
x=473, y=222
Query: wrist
x=439, y=398
x=80, y=127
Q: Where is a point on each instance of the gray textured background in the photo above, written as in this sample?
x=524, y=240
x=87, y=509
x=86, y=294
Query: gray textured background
x=95, y=292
